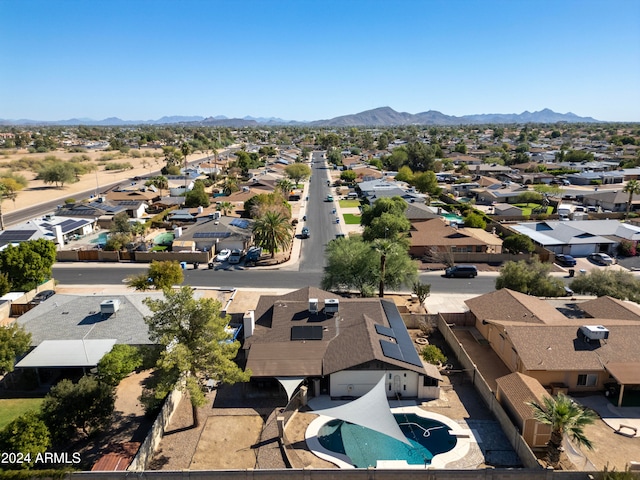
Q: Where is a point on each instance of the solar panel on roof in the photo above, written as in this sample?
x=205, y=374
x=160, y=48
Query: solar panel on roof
x=306, y=332
x=16, y=235
x=239, y=222
x=65, y=224
x=405, y=344
x=391, y=350
x=211, y=234
x=386, y=331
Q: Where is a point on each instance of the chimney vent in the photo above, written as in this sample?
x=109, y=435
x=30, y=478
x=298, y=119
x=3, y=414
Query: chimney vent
x=313, y=305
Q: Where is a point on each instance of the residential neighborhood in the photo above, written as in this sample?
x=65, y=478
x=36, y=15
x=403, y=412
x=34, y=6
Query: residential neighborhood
x=163, y=294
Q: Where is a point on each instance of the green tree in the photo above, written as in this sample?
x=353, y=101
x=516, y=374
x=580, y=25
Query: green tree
x=353, y=264
x=529, y=197
x=230, y=185
x=286, y=186
x=383, y=141
x=426, y=182
x=474, y=220
x=57, y=173
x=14, y=341
x=421, y=290
x=29, y=263
x=273, y=231
x=117, y=241
x=405, y=174
x=85, y=406
x=518, y=243
x=297, y=171
x=195, y=343
x=387, y=226
x=260, y=204
x=632, y=188
x=348, y=176
x=564, y=416
x=120, y=223
x=5, y=284
x=225, y=207
x=614, y=283
x=160, y=182
x=27, y=434
x=433, y=355
x=197, y=197
x=530, y=277
x=118, y=363
x=395, y=206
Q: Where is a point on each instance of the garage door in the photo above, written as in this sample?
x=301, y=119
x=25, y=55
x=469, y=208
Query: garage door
x=582, y=250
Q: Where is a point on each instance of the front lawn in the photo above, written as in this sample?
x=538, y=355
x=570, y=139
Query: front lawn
x=351, y=219
x=349, y=203
x=12, y=408
x=528, y=208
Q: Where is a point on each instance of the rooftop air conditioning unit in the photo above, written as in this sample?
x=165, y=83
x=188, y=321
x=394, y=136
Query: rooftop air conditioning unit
x=109, y=307
x=313, y=305
x=331, y=305
x=594, y=332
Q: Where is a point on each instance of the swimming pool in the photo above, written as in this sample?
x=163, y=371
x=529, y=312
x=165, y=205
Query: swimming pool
x=452, y=218
x=163, y=239
x=365, y=447
x=102, y=238
x=434, y=441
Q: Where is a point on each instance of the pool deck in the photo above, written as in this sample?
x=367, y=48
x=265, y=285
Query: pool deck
x=465, y=446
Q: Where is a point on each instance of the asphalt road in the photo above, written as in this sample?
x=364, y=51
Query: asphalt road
x=320, y=222
x=240, y=277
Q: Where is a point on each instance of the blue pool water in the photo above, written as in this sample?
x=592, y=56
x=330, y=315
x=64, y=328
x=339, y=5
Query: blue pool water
x=102, y=238
x=164, y=238
x=453, y=218
x=365, y=447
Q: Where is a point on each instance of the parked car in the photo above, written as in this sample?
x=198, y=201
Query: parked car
x=568, y=292
x=235, y=257
x=223, y=255
x=461, y=271
x=601, y=259
x=41, y=297
x=305, y=233
x=329, y=198
x=253, y=254
x=565, y=260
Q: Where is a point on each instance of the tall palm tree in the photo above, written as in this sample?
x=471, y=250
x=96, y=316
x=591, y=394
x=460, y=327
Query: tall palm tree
x=273, y=231
x=225, y=207
x=632, y=188
x=285, y=185
x=563, y=415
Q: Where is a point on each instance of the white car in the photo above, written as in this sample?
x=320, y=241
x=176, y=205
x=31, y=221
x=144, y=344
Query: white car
x=223, y=255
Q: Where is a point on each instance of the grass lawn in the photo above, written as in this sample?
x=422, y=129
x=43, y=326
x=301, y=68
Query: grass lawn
x=349, y=203
x=12, y=408
x=527, y=208
x=351, y=219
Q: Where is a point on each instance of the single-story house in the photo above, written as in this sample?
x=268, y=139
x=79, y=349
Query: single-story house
x=429, y=236
x=612, y=200
x=589, y=178
x=56, y=228
x=218, y=233
x=498, y=193
x=339, y=346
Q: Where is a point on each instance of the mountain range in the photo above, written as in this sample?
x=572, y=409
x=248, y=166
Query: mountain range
x=378, y=117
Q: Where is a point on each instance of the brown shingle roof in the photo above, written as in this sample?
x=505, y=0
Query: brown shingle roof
x=349, y=338
x=509, y=305
x=608, y=307
x=436, y=233
x=520, y=389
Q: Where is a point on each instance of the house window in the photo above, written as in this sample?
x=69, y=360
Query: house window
x=404, y=387
x=429, y=382
x=587, y=380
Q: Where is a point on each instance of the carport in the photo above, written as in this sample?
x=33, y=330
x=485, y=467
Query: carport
x=624, y=374
x=66, y=354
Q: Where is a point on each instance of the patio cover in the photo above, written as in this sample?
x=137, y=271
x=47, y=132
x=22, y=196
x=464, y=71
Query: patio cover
x=67, y=353
x=624, y=373
x=290, y=384
x=370, y=410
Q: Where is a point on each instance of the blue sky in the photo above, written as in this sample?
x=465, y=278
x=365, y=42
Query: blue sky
x=310, y=60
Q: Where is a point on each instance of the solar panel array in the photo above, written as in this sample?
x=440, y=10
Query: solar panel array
x=239, y=222
x=382, y=330
x=129, y=203
x=306, y=332
x=9, y=236
x=403, y=350
x=211, y=234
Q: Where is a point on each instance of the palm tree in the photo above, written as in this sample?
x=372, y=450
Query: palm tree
x=632, y=188
x=563, y=415
x=225, y=207
x=186, y=149
x=285, y=185
x=272, y=231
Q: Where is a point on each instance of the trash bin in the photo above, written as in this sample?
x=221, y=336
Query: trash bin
x=183, y=265
x=210, y=265
x=196, y=265
x=572, y=272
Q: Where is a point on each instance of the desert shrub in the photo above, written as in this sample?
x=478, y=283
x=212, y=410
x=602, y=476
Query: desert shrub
x=432, y=354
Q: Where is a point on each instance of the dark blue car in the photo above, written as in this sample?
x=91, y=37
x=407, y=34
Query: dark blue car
x=565, y=260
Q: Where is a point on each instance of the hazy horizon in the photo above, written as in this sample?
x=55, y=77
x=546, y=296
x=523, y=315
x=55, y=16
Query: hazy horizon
x=305, y=60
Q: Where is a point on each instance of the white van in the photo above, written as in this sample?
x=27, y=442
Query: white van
x=352, y=196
